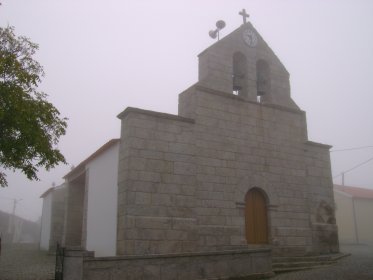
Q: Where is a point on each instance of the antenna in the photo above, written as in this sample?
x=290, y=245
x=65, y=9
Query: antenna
x=220, y=24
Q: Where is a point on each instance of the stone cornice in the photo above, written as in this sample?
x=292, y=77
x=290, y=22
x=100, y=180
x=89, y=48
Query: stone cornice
x=232, y=96
x=129, y=110
x=319, y=145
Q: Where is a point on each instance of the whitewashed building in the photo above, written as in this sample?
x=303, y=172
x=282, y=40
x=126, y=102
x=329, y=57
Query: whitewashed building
x=354, y=210
x=91, y=206
x=52, y=219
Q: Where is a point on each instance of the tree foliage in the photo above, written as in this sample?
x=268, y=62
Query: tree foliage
x=30, y=126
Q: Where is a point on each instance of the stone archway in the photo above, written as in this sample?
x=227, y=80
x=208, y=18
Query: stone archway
x=256, y=217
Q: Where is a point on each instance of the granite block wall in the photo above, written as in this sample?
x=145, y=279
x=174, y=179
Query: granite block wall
x=183, y=179
x=156, y=184
x=74, y=212
x=241, y=145
x=58, y=217
x=218, y=265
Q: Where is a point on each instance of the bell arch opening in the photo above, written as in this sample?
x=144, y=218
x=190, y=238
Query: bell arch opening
x=256, y=217
x=239, y=75
x=263, y=79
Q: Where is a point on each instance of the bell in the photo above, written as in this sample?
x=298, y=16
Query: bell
x=236, y=88
x=261, y=86
x=237, y=81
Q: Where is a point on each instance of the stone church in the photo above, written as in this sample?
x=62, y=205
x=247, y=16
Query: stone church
x=233, y=168
x=231, y=179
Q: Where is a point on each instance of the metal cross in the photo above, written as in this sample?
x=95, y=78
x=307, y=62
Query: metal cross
x=244, y=15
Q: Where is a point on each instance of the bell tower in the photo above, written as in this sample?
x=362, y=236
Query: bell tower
x=243, y=64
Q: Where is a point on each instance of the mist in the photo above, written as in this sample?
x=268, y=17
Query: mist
x=101, y=57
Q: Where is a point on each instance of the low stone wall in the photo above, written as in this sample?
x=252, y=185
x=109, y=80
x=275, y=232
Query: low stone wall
x=251, y=264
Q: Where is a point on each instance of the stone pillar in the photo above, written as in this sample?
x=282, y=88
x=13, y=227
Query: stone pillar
x=74, y=213
x=73, y=262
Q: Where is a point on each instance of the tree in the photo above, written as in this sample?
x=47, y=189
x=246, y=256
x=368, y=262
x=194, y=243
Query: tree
x=30, y=126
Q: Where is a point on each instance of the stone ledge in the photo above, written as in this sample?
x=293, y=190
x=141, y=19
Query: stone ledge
x=235, y=97
x=255, y=276
x=320, y=145
x=153, y=114
x=77, y=252
x=181, y=255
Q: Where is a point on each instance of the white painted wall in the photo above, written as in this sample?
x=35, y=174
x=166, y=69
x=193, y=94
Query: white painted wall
x=46, y=219
x=347, y=209
x=345, y=218
x=364, y=221
x=102, y=203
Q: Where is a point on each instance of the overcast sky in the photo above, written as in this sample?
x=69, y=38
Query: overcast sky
x=103, y=56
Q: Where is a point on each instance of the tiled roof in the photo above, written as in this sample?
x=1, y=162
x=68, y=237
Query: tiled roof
x=93, y=156
x=355, y=191
x=46, y=192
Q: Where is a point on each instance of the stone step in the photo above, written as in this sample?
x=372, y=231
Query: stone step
x=297, y=268
x=302, y=264
x=331, y=257
x=286, y=264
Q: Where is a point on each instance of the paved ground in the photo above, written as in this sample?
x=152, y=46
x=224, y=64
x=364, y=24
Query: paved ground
x=358, y=266
x=25, y=262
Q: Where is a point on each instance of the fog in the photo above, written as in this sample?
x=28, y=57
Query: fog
x=103, y=56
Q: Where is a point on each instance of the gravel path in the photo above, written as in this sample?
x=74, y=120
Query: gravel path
x=25, y=262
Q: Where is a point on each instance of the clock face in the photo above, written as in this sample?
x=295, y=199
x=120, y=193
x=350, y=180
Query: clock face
x=250, y=37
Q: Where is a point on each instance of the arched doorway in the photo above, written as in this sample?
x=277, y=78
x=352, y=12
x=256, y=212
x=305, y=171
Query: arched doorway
x=256, y=217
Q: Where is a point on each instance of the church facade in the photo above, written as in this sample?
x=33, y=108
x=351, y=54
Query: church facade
x=234, y=169
x=211, y=193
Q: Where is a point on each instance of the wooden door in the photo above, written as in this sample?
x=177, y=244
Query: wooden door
x=256, y=218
